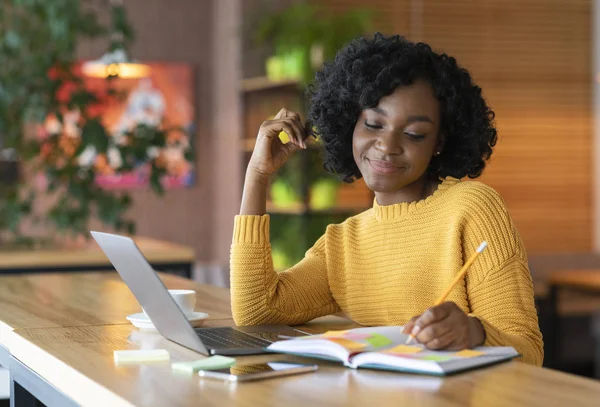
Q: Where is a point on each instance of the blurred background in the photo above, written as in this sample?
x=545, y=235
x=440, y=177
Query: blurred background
x=139, y=116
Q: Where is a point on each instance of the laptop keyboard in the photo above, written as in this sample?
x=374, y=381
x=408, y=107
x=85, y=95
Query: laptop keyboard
x=228, y=338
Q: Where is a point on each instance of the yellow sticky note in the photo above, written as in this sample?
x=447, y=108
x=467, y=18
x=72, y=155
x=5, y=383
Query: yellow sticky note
x=284, y=137
x=404, y=349
x=349, y=345
x=334, y=334
x=140, y=355
x=468, y=353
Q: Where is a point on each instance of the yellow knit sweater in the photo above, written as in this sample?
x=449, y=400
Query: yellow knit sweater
x=390, y=263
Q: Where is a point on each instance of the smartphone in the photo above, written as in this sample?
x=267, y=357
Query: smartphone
x=257, y=371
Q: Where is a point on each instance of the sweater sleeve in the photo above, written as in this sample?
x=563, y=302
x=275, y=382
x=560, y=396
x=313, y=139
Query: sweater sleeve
x=259, y=295
x=504, y=304
x=499, y=284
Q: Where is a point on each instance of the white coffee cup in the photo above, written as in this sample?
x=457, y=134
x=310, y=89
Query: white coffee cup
x=185, y=300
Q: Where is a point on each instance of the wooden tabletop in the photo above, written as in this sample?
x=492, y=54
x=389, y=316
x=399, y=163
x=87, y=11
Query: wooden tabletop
x=65, y=327
x=81, y=299
x=588, y=280
x=86, y=253
x=79, y=362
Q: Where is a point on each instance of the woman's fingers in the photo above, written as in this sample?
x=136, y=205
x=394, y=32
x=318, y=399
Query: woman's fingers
x=430, y=316
x=434, y=331
x=298, y=132
x=297, y=136
x=409, y=325
x=442, y=341
x=269, y=152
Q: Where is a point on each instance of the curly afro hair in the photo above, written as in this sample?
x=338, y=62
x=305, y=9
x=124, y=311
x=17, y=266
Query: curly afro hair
x=368, y=69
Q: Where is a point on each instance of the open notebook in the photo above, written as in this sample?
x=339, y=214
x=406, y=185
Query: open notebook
x=383, y=348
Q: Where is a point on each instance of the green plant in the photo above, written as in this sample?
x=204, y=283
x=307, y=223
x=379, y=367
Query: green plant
x=303, y=30
x=311, y=30
x=44, y=101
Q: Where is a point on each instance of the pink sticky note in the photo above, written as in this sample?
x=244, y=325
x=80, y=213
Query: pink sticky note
x=349, y=345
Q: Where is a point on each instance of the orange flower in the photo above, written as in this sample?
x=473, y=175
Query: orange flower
x=161, y=160
x=179, y=168
x=63, y=94
x=68, y=145
x=174, y=136
x=101, y=165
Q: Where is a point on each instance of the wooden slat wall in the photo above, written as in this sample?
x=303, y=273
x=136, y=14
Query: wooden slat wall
x=533, y=60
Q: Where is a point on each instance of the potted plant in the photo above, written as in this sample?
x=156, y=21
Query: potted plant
x=53, y=122
x=304, y=35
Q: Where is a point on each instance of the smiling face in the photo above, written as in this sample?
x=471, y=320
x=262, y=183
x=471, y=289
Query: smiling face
x=394, y=142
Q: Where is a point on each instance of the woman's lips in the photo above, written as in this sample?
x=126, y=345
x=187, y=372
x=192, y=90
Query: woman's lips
x=383, y=167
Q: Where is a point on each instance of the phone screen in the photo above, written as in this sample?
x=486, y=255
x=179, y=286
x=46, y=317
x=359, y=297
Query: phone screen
x=258, y=371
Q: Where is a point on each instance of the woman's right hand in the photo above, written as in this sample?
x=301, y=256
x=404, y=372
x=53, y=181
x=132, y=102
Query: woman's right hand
x=270, y=153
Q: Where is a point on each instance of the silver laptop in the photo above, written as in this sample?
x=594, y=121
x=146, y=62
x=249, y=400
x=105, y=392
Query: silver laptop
x=166, y=316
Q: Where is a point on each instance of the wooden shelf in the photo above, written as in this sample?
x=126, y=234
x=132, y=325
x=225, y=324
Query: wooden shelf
x=264, y=83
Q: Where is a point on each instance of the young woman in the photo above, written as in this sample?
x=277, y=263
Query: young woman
x=412, y=123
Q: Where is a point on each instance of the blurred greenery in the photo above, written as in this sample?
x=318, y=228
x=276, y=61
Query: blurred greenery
x=307, y=28
x=38, y=40
x=302, y=31
x=292, y=235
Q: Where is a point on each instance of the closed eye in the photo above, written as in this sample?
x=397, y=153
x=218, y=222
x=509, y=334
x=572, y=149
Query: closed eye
x=415, y=137
x=373, y=126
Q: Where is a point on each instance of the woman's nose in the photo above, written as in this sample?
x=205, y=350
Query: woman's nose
x=389, y=143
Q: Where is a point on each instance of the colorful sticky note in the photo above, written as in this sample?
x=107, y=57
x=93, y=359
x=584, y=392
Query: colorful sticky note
x=356, y=336
x=403, y=349
x=378, y=340
x=335, y=334
x=436, y=358
x=140, y=355
x=211, y=363
x=348, y=344
x=469, y=353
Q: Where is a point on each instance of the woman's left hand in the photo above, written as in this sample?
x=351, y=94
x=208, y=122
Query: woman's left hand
x=446, y=326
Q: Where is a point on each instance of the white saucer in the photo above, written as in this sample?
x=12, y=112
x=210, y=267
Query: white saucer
x=141, y=320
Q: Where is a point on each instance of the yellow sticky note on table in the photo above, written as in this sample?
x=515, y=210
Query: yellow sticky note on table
x=140, y=355
x=348, y=344
x=469, y=353
x=334, y=334
x=404, y=349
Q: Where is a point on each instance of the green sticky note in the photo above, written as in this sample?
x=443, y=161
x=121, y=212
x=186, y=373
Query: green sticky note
x=211, y=363
x=436, y=358
x=378, y=340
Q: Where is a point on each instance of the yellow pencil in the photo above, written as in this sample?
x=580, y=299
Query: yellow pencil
x=458, y=277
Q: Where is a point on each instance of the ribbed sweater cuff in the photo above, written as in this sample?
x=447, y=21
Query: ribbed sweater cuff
x=251, y=229
x=493, y=337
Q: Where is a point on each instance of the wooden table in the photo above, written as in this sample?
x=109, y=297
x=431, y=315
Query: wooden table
x=85, y=299
x=53, y=300
x=87, y=256
x=64, y=362
x=78, y=362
